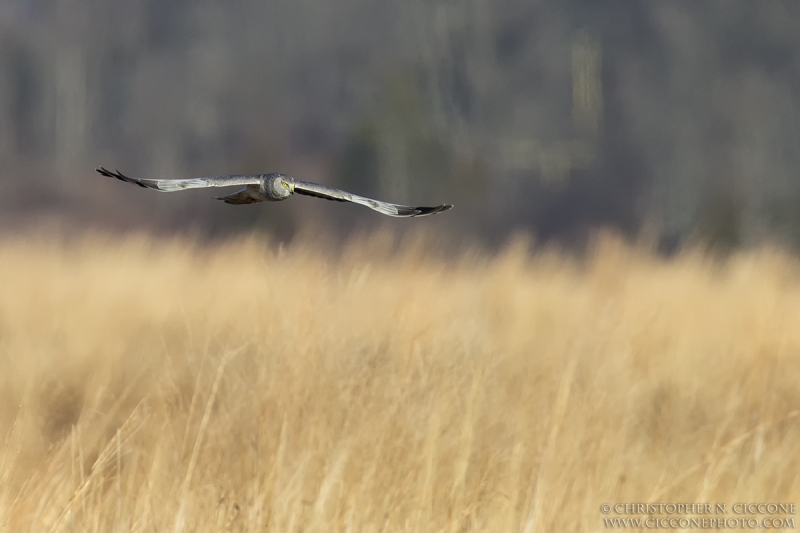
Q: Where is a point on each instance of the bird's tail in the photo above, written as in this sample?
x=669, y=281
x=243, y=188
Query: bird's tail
x=247, y=195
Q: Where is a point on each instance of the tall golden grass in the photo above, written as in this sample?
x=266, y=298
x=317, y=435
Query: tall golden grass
x=153, y=385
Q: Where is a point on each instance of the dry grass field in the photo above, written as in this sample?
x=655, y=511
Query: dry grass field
x=155, y=385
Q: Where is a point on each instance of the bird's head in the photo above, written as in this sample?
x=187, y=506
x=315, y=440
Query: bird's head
x=279, y=186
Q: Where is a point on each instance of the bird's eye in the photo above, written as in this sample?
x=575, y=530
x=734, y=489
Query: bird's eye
x=285, y=185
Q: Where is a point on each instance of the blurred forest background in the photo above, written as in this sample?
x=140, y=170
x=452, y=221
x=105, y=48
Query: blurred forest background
x=680, y=118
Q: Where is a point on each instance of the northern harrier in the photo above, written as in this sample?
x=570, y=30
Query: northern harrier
x=274, y=187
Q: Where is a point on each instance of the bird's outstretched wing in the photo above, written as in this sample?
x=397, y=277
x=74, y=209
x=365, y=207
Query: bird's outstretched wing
x=393, y=210
x=181, y=184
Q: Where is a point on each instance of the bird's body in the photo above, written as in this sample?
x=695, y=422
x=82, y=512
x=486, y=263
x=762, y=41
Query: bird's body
x=268, y=189
x=273, y=187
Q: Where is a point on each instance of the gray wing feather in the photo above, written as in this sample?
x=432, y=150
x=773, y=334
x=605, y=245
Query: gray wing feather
x=182, y=184
x=393, y=210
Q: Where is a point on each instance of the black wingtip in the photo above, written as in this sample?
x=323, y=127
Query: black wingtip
x=116, y=174
x=120, y=176
x=425, y=211
x=104, y=172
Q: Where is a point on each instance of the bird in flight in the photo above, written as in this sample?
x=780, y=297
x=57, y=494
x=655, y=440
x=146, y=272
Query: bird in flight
x=273, y=188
